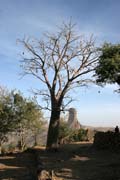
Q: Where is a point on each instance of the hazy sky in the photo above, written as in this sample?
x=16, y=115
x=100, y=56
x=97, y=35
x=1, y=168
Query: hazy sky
x=34, y=17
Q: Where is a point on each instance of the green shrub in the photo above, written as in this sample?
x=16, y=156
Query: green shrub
x=67, y=134
x=64, y=130
x=80, y=135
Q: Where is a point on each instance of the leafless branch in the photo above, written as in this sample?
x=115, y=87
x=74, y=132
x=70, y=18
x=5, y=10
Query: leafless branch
x=61, y=61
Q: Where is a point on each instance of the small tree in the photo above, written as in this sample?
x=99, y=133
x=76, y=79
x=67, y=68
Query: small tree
x=61, y=62
x=34, y=119
x=29, y=118
x=7, y=121
x=18, y=114
x=108, y=69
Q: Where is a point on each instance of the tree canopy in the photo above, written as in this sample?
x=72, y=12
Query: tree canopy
x=18, y=114
x=6, y=114
x=108, y=69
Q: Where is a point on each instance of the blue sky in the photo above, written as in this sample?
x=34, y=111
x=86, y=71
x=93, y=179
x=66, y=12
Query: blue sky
x=34, y=17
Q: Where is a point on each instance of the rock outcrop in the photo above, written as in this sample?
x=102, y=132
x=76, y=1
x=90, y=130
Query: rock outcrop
x=72, y=119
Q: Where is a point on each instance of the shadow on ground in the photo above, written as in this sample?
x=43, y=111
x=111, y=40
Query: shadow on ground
x=82, y=162
x=19, y=166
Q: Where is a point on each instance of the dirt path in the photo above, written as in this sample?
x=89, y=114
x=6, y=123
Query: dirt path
x=82, y=162
x=19, y=166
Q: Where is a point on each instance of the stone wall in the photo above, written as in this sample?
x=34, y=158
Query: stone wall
x=107, y=140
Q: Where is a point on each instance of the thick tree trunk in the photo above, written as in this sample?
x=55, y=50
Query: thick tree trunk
x=53, y=131
x=0, y=147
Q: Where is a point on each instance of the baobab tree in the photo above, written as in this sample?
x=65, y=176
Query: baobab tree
x=61, y=61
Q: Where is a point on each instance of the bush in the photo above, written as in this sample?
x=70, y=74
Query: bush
x=64, y=132
x=67, y=135
x=80, y=135
x=9, y=148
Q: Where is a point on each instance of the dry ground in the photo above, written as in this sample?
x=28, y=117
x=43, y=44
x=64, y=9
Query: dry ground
x=78, y=161
x=18, y=166
x=82, y=162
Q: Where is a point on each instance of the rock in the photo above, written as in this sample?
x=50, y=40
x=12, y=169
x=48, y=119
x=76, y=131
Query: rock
x=72, y=119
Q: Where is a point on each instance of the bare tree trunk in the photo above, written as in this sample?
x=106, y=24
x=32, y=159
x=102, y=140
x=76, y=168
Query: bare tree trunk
x=21, y=143
x=0, y=147
x=53, y=131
